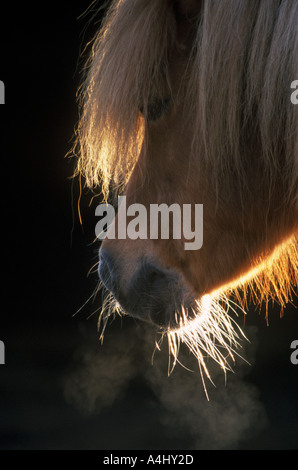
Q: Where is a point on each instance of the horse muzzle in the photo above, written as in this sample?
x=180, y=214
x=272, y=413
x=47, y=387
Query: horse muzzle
x=153, y=293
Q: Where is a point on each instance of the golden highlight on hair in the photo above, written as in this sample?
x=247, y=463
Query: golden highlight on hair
x=241, y=64
x=128, y=61
x=273, y=278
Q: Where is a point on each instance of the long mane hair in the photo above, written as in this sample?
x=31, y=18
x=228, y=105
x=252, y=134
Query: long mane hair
x=242, y=62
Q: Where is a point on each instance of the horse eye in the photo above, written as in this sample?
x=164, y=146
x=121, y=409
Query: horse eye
x=155, y=109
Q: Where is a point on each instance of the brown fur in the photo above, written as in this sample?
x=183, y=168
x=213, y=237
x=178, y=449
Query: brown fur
x=229, y=139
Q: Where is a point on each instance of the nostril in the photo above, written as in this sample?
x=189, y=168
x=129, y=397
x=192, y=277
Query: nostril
x=150, y=281
x=107, y=271
x=155, y=278
x=152, y=285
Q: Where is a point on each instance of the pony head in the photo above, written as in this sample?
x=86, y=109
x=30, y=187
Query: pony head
x=188, y=102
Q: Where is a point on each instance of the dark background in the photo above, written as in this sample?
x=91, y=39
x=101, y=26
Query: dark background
x=60, y=389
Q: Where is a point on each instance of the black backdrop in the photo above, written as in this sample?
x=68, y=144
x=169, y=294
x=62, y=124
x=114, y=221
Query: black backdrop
x=60, y=389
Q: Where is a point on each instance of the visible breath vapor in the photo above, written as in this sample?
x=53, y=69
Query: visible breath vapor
x=207, y=331
x=232, y=414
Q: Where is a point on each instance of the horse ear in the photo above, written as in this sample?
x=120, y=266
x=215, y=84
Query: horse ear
x=188, y=7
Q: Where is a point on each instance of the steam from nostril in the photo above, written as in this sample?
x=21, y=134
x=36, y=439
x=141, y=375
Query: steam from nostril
x=102, y=377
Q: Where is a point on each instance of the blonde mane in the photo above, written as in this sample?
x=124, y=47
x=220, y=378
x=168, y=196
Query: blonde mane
x=241, y=66
x=125, y=68
x=273, y=280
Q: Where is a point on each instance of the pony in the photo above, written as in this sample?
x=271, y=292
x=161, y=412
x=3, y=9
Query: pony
x=189, y=101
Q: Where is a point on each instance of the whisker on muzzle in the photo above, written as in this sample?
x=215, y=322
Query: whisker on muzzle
x=210, y=332
x=110, y=309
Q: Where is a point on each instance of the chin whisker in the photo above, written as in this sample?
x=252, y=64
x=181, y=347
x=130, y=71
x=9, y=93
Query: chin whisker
x=211, y=333
x=110, y=308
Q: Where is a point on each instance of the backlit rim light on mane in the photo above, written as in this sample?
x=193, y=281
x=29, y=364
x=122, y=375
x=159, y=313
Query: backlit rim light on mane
x=230, y=97
x=274, y=278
